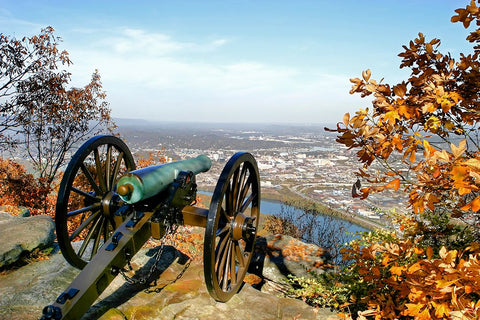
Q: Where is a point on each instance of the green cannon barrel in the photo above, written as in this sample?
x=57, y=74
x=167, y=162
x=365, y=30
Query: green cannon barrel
x=144, y=183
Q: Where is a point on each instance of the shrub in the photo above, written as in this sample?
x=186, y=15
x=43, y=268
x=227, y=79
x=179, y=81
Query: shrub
x=19, y=188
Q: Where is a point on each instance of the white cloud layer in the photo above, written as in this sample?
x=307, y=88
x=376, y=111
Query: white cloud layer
x=146, y=75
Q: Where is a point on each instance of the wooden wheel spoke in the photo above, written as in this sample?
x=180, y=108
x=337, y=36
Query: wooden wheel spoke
x=108, y=167
x=85, y=194
x=226, y=228
x=87, y=239
x=222, y=258
x=243, y=193
x=224, y=214
x=98, y=167
x=241, y=187
x=83, y=225
x=228, y=201
x=82, y=210
x=239, y=255
x=247, y=202
x=91, y=180
x=235, y=189
x=233, y=265
x=226, y=264
x=221, y=247
x=109, y=228
x=98, y=235
x=116, y=169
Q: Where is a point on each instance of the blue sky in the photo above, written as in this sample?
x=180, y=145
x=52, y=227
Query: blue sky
x=236, y=61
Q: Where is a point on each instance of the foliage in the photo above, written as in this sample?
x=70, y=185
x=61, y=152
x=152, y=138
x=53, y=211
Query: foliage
x=21, y=189
x=424, y=132
x=37, y=111
x=334, y=289
x=390, y=278
x=188, y=240
x=400, y=279
x=153, y=158
x=320, y=290
x=278, y=225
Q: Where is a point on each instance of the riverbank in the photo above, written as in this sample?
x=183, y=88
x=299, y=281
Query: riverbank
x=285, y=195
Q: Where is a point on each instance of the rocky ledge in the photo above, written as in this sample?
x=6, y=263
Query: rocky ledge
x=179, y=292
x=21, y=235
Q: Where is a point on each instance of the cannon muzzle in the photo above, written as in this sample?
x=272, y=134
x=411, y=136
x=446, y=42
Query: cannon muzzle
x=144, y=183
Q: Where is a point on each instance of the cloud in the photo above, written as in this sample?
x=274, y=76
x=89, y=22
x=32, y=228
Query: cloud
x=164, y=78
x=137, y=41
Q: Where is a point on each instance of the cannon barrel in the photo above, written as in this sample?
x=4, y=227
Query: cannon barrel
x=144, y=183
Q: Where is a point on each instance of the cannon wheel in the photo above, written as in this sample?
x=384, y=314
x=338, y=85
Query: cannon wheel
x=231, y=227
x=86, y=199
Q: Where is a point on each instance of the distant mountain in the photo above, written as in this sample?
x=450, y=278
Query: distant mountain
x=141, y=123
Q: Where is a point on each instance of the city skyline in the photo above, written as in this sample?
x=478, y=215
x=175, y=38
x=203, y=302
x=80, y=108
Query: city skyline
x=235, y=61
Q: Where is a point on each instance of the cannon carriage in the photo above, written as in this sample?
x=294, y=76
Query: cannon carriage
x=106, y=210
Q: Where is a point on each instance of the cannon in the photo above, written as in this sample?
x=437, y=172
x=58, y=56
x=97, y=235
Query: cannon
x=106, y=211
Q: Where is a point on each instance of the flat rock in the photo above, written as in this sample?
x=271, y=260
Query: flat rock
x=279, y=256
x=20, y=235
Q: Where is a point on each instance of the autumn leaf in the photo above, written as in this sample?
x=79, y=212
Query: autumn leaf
x=346, y=119
x=394, y=184
x=473, y=163
x=458, y=151
x=366, y=74
x=400, y=90
x=429, y=252
x=475, y=204
x=441, y=309
x=445, y=283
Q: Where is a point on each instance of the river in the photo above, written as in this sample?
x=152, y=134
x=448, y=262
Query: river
x=301, y=219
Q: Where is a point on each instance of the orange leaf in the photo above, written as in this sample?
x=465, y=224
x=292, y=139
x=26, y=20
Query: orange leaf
x=366, y=74
x=346, y=119
x=459, y=173
x=475, y=204
x=473, y=163
x=445, y=283
x=441, y=309
x=415, y=267
x=412, y=157
x=400, y=90
x=418, y=251
x=429, y=253
x=397, y=270
x=458, y=151
x=394, y=184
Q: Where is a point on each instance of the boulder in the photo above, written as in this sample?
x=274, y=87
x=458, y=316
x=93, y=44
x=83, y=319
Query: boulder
x=25, y=291
x=279, y=256
x=20, y=235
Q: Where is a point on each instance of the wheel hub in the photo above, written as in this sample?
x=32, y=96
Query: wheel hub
x=243, y=227
x=110, y=203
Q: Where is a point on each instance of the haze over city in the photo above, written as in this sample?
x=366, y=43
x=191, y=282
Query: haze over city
x=235, y=61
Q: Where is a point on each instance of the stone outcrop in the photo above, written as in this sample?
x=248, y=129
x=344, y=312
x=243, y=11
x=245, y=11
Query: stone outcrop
x=27, y=290
x=20, y=235
x=279, y=256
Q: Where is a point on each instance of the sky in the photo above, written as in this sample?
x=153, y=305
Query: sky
x=236, y=61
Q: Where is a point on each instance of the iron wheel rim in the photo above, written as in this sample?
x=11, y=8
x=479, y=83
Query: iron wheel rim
x=231, y=226
x=109, y=158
